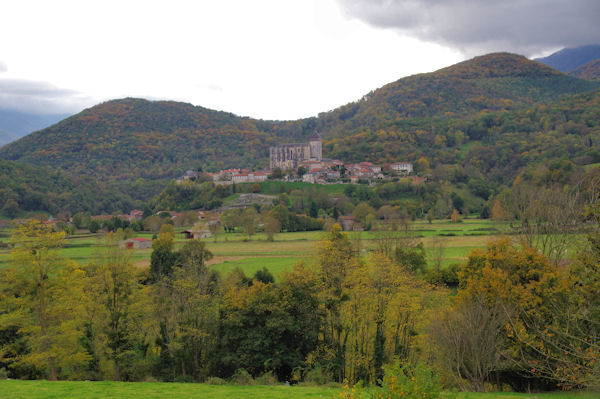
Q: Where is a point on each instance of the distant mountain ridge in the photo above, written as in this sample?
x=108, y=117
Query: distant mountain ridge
x=569, y=59
x=7, y=137
x=138, y=145
x=15, y=124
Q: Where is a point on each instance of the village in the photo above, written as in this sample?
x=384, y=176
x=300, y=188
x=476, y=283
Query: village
x=300, y=162
x=304, y=162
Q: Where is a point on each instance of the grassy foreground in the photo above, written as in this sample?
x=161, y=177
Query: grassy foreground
x=150, y=390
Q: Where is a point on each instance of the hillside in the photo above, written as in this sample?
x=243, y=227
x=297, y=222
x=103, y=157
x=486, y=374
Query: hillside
x=494, y=82
x=589, y=71
x=138, y=145
x=569, y=59
x=26, y=187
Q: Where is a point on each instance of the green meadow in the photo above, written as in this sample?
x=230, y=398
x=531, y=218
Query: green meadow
x=39, y=389
x=232, y=250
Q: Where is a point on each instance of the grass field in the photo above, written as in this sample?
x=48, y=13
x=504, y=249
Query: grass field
x=150, y=390
x=236, y=250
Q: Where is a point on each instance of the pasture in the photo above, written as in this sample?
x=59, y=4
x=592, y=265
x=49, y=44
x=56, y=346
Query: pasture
x=39, y=389
x=450, y=242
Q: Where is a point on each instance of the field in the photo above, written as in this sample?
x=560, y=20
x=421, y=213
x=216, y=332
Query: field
x=150, y=390
x=233, y=250
x=251, y=254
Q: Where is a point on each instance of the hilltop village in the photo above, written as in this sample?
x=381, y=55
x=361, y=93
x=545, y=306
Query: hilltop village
x=304, y=162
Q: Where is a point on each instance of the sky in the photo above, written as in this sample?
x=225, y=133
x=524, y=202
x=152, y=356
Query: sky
x=269, y=59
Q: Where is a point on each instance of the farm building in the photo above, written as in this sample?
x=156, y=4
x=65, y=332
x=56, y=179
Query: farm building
x=136, y=243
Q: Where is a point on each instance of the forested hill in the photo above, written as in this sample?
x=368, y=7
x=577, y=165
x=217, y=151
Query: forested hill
x=138, y=145
x=590, y=71
x=494, y=82
x=26, y=187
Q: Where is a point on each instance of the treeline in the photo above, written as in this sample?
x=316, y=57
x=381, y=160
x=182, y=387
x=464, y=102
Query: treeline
x=516, y=320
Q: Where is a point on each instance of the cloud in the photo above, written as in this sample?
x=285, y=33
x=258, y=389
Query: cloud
x=3, y=67
x=40, y=97
x=528, y=27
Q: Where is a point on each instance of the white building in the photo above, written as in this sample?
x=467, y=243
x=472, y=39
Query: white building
x=405, y=167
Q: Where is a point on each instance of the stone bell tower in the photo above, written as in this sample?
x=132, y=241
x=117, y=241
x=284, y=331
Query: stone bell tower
x=316, y=150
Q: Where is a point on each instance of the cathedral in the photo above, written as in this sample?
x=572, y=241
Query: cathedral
x=286, y=156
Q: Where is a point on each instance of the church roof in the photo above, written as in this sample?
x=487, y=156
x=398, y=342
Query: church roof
x=315, y=136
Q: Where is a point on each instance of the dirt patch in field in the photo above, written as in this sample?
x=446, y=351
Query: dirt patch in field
x=142, y=264
x=222, y=259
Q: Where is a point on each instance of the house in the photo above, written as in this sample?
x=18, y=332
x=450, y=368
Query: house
x=405, y=167
x=309, y=178
x=136, y=214
x=198, y=234
x=136, y=243
x=347, y=222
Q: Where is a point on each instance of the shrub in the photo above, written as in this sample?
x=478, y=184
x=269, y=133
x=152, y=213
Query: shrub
x=242, y=377
x=215, y=381
x=267, y=378
x=317, y=376
x=400, y=381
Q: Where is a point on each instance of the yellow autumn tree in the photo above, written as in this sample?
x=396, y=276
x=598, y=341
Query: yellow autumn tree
x=43, y=298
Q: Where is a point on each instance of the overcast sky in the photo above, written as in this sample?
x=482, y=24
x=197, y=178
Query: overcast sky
x=275, y=59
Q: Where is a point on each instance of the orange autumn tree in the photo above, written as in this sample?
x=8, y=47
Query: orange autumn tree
x=508, y=303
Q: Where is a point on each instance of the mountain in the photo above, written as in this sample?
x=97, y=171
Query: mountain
x=569, y=59
x=7, y=137
x=494, y=82
x=136, y=145
x=590, y=71
x=21, y=123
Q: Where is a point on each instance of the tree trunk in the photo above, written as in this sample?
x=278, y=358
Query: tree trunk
x=117, y=371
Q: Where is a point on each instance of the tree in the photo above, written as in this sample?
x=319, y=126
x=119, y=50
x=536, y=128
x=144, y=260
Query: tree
x=94, y=226
x=272, y=226
x=276, y=173
x=497, y=212
x=336, y=260
x=11, y=208
x=514, y=286
x=114, y=294
x=469, y=341
x=43, y=300
x=214, y=226
x=543, y=218
x=266, y=327
x=163, y=257
x=455, y=217
x=193, y=290
x=361, y=211
x=248, y=221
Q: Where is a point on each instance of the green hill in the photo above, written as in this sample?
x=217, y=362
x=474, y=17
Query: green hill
x=26, y=187
x=138, y=145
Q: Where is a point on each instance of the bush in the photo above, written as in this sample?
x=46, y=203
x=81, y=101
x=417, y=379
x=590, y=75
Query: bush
x=400, y=381
x=267, y=378
x=242, y=377
x=215, y=381
x=186, y=378
x=317, y=376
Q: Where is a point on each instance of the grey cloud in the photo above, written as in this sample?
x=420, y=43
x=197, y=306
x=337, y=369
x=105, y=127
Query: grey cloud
x=40, y=97
x=479, y=26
